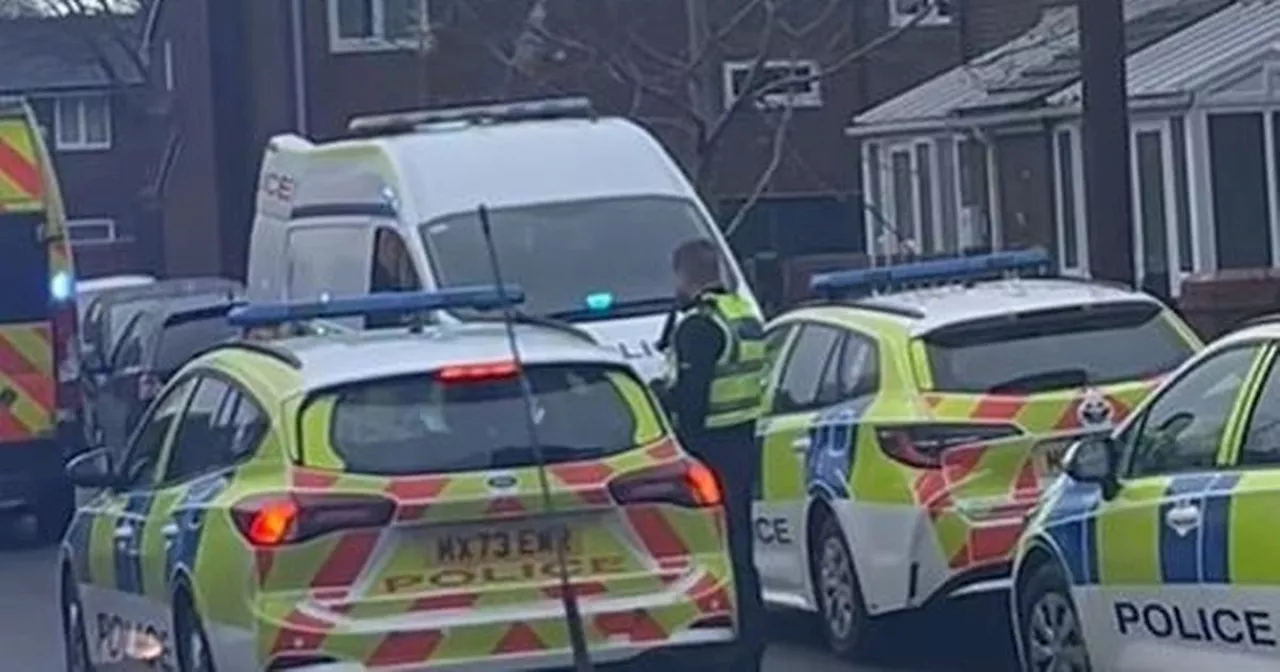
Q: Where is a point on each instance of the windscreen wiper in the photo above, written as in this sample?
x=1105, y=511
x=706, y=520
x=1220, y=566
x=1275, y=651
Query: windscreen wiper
x=617, y=308
x=1042, y=381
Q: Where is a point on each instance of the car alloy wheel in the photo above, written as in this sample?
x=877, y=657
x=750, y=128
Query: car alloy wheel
x=1055, y=641
x=75, y=644
x=836, y=583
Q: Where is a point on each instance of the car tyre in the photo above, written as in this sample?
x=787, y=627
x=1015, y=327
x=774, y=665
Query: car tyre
x=54, y=510
x=846, y=624
x=1049, y=626
x=191, y=644
x=75, y=640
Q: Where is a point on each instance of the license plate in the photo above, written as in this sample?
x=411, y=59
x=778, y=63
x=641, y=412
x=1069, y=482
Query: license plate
x=472, y=547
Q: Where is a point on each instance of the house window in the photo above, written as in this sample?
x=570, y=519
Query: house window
x=373, y=25
x=974, y=230
x=910, y=201
x=82, y=122
x=90, y=231
x=938, y=12
x=1067, y=190
x=802, y=88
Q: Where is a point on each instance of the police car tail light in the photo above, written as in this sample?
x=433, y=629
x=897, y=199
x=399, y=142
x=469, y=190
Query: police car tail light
x=687, y=483
x=478, y=373
x=289, y=519
x=922, y=446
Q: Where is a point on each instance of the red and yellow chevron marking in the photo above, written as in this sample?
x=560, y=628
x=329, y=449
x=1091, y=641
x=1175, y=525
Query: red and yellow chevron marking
x=683, y=553
x=21, y=181
x=27, y=392
x=1037, y=413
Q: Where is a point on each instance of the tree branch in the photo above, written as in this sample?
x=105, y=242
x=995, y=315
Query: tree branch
x=766, y=177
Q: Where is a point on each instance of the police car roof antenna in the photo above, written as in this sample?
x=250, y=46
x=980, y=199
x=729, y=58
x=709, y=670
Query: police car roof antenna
x=572, y=615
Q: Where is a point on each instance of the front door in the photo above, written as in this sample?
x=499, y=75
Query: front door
x=1242, y=551
x=114, y=598
x=1143, y=602
x=786, y=433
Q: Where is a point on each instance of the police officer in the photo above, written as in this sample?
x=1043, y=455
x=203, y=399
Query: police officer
x=716, y=348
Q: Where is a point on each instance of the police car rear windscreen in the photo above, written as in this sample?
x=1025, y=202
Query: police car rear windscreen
x=469, y=418
x=1055, y=350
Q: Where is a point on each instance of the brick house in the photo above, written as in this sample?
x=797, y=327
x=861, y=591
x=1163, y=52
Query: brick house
x=1005, y=135
x=82, y=86
x=240, y=71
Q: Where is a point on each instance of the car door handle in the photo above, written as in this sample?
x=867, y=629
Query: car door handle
x=801, y=444
x=170, y=530
x=1183, y=518
x=124, y=532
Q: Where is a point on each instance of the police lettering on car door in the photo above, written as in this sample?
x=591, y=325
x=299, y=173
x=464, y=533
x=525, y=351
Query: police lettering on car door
x=1223, y=625
x=123, y=640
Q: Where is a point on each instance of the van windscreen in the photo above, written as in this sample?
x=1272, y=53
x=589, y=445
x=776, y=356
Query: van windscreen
x=577, y=260
x=441, y=423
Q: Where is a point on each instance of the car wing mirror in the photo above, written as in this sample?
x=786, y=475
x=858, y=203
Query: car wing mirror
x=1092, y=460
x=94, y=469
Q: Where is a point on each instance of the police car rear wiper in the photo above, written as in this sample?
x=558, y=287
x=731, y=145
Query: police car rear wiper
x=617, y=308
x=1042, y=381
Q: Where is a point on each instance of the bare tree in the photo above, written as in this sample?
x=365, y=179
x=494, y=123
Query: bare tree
x=114, y=32
x=679, y=85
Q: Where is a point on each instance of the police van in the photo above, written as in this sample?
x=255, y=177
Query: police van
x=38, y=366
x=585, y=212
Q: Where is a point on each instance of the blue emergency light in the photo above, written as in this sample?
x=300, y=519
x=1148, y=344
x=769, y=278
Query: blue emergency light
x=938, y=271
x=479, y=297
x=599, y=301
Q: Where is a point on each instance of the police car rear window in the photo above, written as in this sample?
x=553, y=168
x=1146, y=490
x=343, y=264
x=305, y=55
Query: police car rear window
x=1055, y=350
x=427, y=424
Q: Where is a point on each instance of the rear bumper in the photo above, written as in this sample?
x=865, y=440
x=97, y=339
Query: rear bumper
x=29, y=469
x=627, y=633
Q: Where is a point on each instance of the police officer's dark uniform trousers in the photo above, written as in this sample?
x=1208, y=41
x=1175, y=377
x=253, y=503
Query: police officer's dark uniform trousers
x=718, y=363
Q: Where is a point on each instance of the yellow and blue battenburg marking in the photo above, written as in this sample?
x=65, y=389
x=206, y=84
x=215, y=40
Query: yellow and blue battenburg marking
x=1145, y=548
x=189, y=518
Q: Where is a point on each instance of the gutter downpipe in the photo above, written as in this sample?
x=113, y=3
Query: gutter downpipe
x=300, y=101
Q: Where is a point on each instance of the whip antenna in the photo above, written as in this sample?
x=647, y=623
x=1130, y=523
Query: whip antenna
x=572, y=615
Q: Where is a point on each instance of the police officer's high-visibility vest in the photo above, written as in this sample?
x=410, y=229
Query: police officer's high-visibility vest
x=737, y=384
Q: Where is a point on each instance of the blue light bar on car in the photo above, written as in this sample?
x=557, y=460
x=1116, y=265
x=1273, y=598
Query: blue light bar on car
x=481, y=297
x=938, y=271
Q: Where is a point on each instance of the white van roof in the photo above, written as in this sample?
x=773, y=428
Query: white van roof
x=439, y=169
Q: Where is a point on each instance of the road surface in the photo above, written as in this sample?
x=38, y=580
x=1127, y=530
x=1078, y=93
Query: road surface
x=970, y=638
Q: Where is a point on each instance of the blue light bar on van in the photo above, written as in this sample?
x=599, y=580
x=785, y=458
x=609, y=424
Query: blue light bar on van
x=938, y=271
x=480, y=297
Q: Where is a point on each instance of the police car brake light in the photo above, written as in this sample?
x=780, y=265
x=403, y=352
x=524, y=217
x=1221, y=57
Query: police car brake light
x=277, y=520
x=687, y=483
x=479, y=297
x=937, y=271
x=922, y=446
x=478, y=373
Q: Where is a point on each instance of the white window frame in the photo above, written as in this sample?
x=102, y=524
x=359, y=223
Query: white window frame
x=1172, y=244
x=1077, y=199
x=898, y=19
x=110, y=224
x=877, y=242
x=169, y=81
x=810, y=99
x=82, y=144
x=378, y=40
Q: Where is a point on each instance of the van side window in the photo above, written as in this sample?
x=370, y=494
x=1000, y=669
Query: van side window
x=393, y=271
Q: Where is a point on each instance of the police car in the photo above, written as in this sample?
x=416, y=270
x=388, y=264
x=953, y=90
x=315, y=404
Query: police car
x=909, y=431
x=372, y=500
x=1158, y=550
